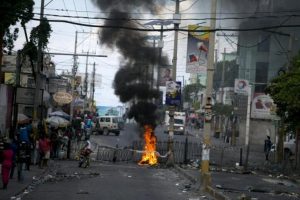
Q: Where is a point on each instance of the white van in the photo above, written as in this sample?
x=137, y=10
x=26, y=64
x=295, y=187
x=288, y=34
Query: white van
x=179, y=123
x=109, y=124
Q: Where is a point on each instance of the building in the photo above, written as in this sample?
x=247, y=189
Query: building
x=262, y=55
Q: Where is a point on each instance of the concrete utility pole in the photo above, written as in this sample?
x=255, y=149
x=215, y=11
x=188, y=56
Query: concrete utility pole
x=74, y=70
x=37, y=94
x=160, y=46
x=205, y=174
x=223, y=76
x=247, y=135
x=176, y=19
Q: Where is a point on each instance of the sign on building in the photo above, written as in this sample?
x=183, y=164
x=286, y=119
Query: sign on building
x=262, y=106
x=173, y=93
x=26, y=96
x=57, y=85
x=241, y=86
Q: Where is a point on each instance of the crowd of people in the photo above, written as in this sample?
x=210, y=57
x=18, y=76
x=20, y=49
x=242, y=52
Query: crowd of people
x=26, y=147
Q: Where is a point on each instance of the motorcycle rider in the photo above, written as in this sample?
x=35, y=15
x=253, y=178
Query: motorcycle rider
x=85, y=153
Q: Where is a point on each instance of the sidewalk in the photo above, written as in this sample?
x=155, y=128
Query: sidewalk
x=232, y=184
x=15, y=187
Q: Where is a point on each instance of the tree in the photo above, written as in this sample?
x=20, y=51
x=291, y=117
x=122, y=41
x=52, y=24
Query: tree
x=11, y=12
x=285, y=91
x=191, y=88
x=230, y=74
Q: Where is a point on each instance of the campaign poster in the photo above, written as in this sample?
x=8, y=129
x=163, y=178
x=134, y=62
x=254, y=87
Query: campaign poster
x=173, y=93
x=261, y=106
x=197, y=50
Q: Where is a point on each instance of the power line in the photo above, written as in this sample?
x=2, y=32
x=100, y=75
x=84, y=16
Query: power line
x=182, y=11
x=184, y=19
x=262, y=28
x=172, y=12
x=66, y=11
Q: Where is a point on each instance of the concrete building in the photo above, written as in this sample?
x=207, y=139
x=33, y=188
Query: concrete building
x=262, y=55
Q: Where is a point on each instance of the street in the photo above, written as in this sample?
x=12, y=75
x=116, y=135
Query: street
x=111, y=182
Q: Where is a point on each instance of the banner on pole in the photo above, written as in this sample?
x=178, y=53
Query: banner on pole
x=173, y=93
x=197, y=50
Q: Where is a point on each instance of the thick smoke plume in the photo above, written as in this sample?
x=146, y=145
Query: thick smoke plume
x=132, y=82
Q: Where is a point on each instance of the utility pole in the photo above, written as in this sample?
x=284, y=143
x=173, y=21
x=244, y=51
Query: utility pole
x=160, y=46
x=37, y=98
x=205, y=174
x=86, y=78
x=176, y=18
x=74, y=71
x=93, y=83
x=223, y=76
x=248, y=127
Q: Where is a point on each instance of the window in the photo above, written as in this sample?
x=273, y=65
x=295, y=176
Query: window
x=107, y=119
x=102, y=120
x=178, y=121
x=115, y=120
x=261, y=76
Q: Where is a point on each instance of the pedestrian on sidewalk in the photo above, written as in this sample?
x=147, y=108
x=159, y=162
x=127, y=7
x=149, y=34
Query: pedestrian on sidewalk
x=267, y=147
x=7, y=161
x=44, y=148
x=14, y=147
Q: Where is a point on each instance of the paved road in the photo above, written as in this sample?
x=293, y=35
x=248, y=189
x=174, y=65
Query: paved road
x=132, y=132
x=113, y=182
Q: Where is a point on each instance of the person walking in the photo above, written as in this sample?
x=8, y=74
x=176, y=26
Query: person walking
x=14, y=147
x=44, y=148
x=267, y=147
x=7, y=161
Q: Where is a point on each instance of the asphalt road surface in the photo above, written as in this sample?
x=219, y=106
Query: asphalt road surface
x=132, y=132
x=112, y=182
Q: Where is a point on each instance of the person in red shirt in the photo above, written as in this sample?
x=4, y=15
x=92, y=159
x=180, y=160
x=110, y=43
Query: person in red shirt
x=44, y=148
x=7, y=162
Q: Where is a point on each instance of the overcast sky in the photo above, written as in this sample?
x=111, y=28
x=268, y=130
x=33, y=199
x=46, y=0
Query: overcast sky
x=63, y=40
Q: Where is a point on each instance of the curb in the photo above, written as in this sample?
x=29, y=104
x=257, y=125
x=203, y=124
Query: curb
x=185, y=174
x=210, y=190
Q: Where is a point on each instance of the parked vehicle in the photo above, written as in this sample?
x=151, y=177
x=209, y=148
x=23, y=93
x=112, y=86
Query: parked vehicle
x=179, y=122
x=109, y=124
x=289, y=145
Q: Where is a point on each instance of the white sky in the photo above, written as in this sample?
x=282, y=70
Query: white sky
x=63, y=40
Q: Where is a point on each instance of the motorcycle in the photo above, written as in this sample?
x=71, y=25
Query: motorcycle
x=84, y=158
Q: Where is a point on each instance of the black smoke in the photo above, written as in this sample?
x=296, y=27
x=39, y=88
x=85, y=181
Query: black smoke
x=132, y=82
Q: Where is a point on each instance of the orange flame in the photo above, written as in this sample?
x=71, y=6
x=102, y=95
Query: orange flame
x=149, y=155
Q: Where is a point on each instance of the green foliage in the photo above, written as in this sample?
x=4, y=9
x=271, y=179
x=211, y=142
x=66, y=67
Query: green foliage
x=230, y=74
x=221, y=109
x=192, y=88
x=285, y=91
x=11, y=12
x=42, y=32
x=9, y=38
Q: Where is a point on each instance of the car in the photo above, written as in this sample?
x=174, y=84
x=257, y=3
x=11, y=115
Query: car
x=109, y=124
x=289, y=145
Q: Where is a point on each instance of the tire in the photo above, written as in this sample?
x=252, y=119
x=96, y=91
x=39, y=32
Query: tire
x=105, y=131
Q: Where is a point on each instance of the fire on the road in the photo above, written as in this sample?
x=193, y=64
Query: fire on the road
x=149, y=155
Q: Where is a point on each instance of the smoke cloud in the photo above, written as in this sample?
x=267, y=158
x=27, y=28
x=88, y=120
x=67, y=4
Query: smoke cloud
x=132, y=82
